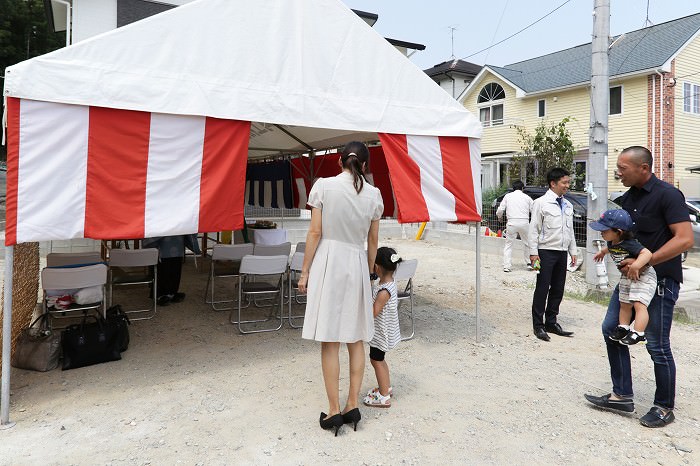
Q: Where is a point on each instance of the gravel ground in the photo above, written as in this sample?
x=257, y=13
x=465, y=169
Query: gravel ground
x=191, y=390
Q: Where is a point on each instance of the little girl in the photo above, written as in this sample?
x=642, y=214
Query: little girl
x=386, y=325
x=637, y=289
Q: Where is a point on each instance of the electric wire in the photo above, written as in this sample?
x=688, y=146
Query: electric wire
x=516, y=33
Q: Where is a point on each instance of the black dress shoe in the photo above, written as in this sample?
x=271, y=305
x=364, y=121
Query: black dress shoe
x=656, y=417
x=177, y=298
x=541, y=334
x=352, y=417
x=626, y=405
x=557, y=330
x=332, y=422
x=163, y=300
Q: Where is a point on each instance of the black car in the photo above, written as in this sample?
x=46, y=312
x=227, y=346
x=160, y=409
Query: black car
x=577, y=198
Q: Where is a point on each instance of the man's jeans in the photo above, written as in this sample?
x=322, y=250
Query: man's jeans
x=658, y=345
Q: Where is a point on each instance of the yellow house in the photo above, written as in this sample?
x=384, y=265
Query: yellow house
x=654, y=102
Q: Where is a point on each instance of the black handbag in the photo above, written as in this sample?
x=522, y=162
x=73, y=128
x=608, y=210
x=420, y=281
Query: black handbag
x=118, y=319
x=90, y=343
x=38, y=348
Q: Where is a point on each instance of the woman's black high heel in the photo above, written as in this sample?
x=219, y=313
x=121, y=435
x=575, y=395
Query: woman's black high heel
x=353, y=416
x=333, y=421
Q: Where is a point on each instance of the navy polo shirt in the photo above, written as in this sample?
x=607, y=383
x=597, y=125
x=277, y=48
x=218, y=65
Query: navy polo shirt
x=654, y=207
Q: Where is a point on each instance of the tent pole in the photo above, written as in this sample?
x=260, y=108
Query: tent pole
x=6, y=341
x=478, y=278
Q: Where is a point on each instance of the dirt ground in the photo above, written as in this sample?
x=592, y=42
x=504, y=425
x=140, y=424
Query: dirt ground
x=192, y=390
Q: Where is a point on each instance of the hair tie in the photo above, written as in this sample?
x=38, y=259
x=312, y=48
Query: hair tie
x=351, y=154
x=395, y=258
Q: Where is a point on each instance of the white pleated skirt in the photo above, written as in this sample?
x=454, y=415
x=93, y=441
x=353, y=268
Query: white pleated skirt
x=339, y=295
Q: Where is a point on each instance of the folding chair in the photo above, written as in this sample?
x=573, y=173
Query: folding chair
x=225, y=262
x=272, y=249
x=293, y=286
x=405, y=271
x=61, y=259
x=301, y=246
x=69, y=280
x=270, y=270
x=130, y=267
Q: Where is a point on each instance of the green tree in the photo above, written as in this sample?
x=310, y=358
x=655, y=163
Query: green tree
x=550, y=146
x=24, y=33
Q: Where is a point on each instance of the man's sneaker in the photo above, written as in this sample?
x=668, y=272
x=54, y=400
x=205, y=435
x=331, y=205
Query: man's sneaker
x=619, y=333
x=625, y=405
x=632, y=338
x=506, y=269
x=657, y=418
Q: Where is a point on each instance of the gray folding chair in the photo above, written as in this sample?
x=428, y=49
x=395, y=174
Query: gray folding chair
x=404, y=272
x=134, y=267
x=60, y=259
x=269, y=273
x=301, y=246
x=293, y=293
x=56, y=281
x=272, y=249
x=225, y=262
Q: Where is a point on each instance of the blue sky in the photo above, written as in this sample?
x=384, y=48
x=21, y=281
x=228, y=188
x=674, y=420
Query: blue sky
x=480, y=24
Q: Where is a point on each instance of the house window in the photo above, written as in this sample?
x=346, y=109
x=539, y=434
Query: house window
x=579, y=180
x=691, y=98
x=540, y=108
x=615, y=100
x=490, y=109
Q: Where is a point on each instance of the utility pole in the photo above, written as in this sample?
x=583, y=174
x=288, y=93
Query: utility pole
x=597, y=186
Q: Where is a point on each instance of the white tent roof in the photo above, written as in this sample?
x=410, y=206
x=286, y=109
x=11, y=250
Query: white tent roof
x=307, y=63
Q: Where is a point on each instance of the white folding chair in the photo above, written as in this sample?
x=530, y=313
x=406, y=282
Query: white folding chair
x=293, y=286
x=269, y=270
x=60, y=259
x=133, y=267
x=225, y=262
x=272, y=249
x=405, y=271
x=69, y=280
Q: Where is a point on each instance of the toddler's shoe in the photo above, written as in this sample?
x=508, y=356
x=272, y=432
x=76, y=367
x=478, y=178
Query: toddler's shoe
x=632, y=338
x=619, y=333
x=376, y=400
x=376, y=390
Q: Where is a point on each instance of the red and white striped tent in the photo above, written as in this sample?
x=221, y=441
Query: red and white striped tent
x=145, y=130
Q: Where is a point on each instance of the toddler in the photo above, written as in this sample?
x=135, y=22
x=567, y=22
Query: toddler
x=637, y=289
x=386, y=325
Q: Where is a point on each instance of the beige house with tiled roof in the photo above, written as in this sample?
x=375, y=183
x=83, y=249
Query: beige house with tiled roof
x=654, y=101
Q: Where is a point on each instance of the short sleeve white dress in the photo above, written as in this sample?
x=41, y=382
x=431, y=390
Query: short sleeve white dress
x=339, y=295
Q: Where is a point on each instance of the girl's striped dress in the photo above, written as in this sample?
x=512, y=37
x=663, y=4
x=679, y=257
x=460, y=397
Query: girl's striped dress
x=386, y=325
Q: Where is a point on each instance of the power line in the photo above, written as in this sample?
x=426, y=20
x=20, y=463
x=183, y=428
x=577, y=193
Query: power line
x=515, y=34
x=498, y=26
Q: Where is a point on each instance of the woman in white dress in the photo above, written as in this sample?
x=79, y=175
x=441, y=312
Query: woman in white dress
x=335, y=275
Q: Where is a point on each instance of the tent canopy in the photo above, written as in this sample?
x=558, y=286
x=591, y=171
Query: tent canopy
x=308, y=64
x=144, y=130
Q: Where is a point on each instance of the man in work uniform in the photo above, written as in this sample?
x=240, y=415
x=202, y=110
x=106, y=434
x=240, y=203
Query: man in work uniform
x=551, y=235
x=516, y=206
x=662, y=225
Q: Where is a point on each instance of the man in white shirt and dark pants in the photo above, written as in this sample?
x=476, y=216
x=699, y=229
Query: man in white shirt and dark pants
x=516, y=206
x=551, y=237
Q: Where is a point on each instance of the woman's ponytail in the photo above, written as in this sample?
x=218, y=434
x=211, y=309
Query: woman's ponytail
x=353, y=157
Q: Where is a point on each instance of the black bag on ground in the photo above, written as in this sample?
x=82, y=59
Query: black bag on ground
x=118, y=319
x=38, y=348
x=90, y=343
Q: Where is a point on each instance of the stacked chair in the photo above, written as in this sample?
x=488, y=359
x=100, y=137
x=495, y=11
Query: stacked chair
x=134, y=267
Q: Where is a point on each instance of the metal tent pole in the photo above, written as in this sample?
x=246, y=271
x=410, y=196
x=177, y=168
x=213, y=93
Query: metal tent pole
x=6, y=341
x=478, y=277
